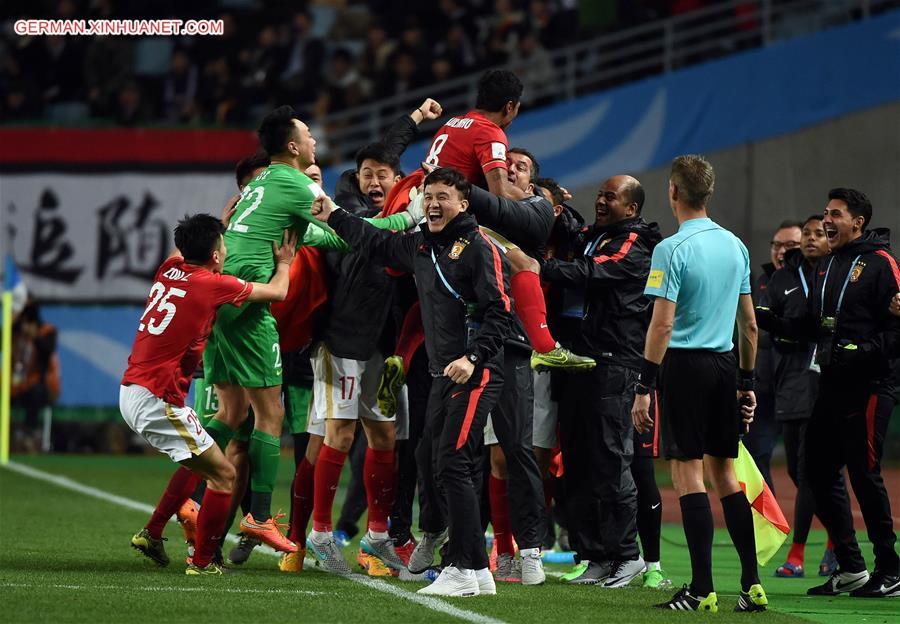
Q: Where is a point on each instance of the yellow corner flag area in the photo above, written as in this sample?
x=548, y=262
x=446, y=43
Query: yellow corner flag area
x=769, y=524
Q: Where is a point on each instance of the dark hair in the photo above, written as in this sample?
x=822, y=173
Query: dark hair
x=815, y=217
x=450, y=177
x=857, y=203
x=379, y=152
x=197, y=237
x=551, y=185
x=535, y=165
x=496, y=87
x=636, y=194
x=276, y=129
x=249, y=164
x=790, y=223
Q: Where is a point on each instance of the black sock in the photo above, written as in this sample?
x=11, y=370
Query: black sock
x=739, y=520
x=199, y=491
x=649, y=513
x=261, y=506
x=696, y=516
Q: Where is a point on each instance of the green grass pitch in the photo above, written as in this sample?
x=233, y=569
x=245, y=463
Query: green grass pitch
x=65, y=557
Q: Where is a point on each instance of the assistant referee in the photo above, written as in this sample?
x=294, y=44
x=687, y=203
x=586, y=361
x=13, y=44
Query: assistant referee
x=698, y=278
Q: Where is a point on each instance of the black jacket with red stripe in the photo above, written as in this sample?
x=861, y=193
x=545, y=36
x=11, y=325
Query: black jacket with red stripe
x=864, y=318
x=612, y=272
x=472, y=267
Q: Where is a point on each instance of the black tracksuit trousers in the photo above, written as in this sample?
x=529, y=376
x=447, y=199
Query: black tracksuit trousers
x=848, y=427
x=513, y=420
x=597, y=440
x=454, y=430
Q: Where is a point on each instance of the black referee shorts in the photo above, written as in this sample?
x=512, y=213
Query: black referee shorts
x=698, y=404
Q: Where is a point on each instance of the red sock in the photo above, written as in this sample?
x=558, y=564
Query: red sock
x=179, y=489
x=327, y=474
x=412, y=336
x=211, y=524
x=532, y=310
x=548, y=493
x=302, y=500
x=829, y=545
x=500, y=515
x=795, y=555
x=379, y=479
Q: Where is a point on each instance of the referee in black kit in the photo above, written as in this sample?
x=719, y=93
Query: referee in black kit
x=698, y=278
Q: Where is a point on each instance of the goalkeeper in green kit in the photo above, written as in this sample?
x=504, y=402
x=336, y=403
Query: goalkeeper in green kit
x=243, y=358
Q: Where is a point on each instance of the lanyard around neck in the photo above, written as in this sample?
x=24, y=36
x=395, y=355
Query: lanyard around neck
x=840, y=302
x=437, y=267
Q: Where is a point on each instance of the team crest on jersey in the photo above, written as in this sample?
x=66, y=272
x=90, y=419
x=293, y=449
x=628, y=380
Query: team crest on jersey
x=857, y=271
x=457, y=248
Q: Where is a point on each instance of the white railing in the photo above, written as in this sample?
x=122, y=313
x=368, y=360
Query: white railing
x=612, y=60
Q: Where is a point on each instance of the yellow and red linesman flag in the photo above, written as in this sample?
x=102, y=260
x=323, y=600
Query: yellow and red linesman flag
x=769, y=524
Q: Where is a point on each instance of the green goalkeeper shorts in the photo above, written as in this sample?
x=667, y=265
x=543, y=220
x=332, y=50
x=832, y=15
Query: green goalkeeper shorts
x=296, y=408
x=243, y=348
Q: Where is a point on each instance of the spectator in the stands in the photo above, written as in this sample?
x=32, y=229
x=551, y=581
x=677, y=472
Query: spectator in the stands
x=132, y=109
x=108, y=64
x=377, y=53
x=305, y=61
x=180, y=88
x=345, y=88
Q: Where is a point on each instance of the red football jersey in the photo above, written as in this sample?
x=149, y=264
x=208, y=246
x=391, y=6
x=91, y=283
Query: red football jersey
x=471, y=144
x=175, y=325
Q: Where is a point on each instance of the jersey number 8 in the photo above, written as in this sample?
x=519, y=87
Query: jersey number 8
x=436, y=148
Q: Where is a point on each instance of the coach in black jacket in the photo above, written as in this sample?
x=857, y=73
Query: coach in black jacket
x=595, y=424
x=857, y=343
x=463, y=287
x=796, y=379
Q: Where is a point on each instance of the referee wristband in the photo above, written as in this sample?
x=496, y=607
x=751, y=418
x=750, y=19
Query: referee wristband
x=648, y=373
x=747, y=378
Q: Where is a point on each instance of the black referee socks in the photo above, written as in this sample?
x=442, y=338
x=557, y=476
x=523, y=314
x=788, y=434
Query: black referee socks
x=696, y=516
x=739, y=520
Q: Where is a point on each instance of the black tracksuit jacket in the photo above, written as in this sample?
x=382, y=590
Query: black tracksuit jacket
x=613, y=272
x=795, y=384
x=360, y=294
x=470, y=264
x=864, y=318
x=527, y=222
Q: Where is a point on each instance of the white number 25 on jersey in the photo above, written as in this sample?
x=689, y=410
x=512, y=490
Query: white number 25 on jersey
x=159, y=302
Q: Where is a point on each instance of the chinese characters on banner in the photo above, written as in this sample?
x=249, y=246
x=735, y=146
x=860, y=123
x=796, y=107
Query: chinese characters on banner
x=100, y=237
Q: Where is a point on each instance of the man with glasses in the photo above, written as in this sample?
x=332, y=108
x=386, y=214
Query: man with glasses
x=760, y=441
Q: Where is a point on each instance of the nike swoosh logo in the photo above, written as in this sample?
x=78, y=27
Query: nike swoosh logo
x=787, y=292
x=646, y=444
x=655, y=506
x=543, y=325
x=456, y=394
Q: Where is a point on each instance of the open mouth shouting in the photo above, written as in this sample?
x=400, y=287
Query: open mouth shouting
x=831, y=232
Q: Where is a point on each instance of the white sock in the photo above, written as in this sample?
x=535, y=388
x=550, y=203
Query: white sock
x=653, y=565
x=378, y=535
x=527, y=552
x=319, y=536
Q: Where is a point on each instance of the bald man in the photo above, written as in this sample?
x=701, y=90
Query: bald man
x=595, y=407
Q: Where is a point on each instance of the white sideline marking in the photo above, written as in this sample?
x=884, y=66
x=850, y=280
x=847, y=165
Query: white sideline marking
x=206, y=589
x=435, y=604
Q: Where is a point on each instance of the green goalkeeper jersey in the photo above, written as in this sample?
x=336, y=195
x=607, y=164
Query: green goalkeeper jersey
x=278, y=199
